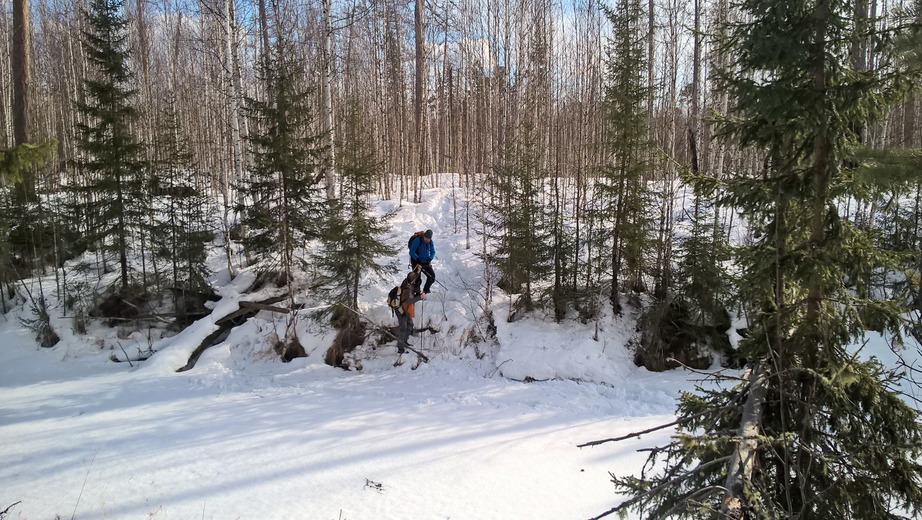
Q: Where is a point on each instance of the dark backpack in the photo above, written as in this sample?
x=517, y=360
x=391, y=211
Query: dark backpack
x=414, y=235
x=393, y=300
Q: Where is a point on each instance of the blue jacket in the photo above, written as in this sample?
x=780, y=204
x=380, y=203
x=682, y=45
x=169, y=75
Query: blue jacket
x=421, y=251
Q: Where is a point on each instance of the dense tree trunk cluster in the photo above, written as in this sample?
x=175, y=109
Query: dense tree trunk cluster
x=444, y=87
x=576, y=118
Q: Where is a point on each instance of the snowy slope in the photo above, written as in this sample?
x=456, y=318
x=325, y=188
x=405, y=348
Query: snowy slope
x=244, y=436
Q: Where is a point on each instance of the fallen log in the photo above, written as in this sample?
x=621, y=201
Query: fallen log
x=250, y=308
x=263, y=307
x=210, y=341
x=228, y=322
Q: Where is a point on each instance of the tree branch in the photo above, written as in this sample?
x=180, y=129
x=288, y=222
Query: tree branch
x=7, y=510
x=654, y=490
x=657, y=428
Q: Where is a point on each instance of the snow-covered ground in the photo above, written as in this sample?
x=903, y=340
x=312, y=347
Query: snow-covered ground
x=236, y=439
x=245, y=436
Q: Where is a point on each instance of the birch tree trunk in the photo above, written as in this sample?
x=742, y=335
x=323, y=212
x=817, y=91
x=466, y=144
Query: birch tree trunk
x=651, y=59
x=329, y=159
x=230, y=28
x=742, y=463
x=419, y=99
x=694, y=117
x=236, y=143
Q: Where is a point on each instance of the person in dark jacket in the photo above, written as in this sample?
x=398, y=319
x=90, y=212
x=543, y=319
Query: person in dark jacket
x=407, y=311
x=422, y=252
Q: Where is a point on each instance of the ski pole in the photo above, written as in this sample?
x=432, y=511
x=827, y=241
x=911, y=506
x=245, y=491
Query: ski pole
x=385, y=330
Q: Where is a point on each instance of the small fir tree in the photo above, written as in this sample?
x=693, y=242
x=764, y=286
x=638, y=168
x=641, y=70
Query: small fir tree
x=185, y=215
x=281, y=204
x=352, y=236
x=626, y=199
x=114, y=184
x=594, y=239
x=522, y=229
x=20, y=222
x=704, y=285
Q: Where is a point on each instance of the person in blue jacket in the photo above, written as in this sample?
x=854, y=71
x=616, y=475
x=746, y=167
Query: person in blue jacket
x=422, y=251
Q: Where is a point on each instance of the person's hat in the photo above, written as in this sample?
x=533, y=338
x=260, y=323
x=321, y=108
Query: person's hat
x=428, y=233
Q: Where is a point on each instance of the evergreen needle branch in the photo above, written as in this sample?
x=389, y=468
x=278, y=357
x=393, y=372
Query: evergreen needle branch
x=707, y=375
x=681, y=421
x=656, y=489
x=696, y=496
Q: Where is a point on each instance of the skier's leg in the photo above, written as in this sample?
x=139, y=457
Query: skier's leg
x=430, y=277
x=403, y=332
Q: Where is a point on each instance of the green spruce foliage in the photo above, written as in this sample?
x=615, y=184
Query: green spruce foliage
x=890, y=181
x=113, y=191
x=26, y=156
x=704, y=284
x=813, y=430
x=281, y=203
x=23, y=225
x=524, y=250
x=185, y=214
x=21, y=216
x=626, y=199
x=909, y=42
x=352, y=238
x=593, y=238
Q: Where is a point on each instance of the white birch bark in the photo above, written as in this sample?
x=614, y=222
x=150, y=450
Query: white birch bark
x=329, y=160
x=743, y=460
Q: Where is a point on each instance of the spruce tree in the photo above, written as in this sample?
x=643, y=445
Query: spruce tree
x=813, y=431
x=20, y=221
x=626, y=199
x=593, y=239
x=352, y=236
x=521, y=227
x=113, y=188
x=184, y=214
x=28, y=226
x=703, y=289
x=281, y=204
